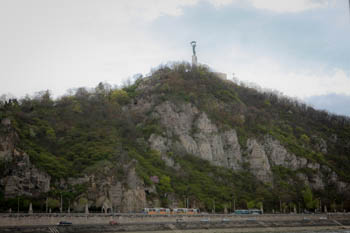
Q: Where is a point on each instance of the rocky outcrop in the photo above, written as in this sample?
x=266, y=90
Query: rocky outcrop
x=190, y=131
x=279, y=156
x=19, y=175
x=263, y=156
x=196, y=135
x=134, y=198
x=320, y=144
x=23, y=178
x=104, y=189
x=107, y=192
x=134, y=201
x=258, y=161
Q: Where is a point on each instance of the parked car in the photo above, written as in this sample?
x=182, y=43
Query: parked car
x=180, y=220
x=64, y=223
x=113, y=222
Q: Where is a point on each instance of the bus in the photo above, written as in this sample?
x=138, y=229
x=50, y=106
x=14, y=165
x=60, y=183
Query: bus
x=242, y=212
x=167, y=211
x=250, y=211
x=185, y=211
x=156, y=211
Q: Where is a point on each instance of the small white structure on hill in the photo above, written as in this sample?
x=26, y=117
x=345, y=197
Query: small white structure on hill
x=220, y=75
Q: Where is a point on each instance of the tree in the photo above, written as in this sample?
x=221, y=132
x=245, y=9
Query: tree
x=305, y=139
x=310, y=203
x=120, y=96
x=44, y=97
x=164, y=186
x=102, y=89
x=251, y=204
x=53, y=203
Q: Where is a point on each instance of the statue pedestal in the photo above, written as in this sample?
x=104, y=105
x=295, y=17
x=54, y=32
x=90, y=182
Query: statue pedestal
x=194, y=60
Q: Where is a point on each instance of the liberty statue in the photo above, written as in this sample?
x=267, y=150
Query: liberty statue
x=194, y=56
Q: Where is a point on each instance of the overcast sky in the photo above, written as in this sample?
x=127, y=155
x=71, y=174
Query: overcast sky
x=298, y=47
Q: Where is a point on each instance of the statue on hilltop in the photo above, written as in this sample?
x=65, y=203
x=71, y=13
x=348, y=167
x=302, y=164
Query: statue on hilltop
x=194, y=56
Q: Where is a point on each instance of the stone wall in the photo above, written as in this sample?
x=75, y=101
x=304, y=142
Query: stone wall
x=237, y=222
x=82, y=219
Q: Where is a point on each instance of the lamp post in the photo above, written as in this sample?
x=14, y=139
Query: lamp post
x=213, y=206
x=61, y=207
x=234, y=205
x=46, y=204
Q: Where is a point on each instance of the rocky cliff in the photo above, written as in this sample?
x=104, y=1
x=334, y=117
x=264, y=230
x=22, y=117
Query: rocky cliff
x=18, y=175
x=108, y=193
x=191, y=131
x=104, y=191
x=196, y=135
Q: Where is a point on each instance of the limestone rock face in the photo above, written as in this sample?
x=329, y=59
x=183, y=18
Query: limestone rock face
x=188, y=130
x=133, y=181
x=134, y=200
x=25, y=178
x=110, y=193
x=104, y=190
x=162, y=145
x=159, y=143
x=116, y=194
x=258, y=161
x=319, y=144
x=196, y=135
x=279, y=156
x=19, y=176
x=232, y=148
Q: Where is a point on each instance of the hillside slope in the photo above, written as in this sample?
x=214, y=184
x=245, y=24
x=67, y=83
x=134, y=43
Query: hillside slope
x=181, y=136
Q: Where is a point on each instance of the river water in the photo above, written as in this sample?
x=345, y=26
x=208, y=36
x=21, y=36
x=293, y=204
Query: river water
x=261, y=230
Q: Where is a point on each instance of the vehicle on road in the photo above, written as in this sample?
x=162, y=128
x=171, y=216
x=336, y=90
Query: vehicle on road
x=255, y=211
x=180, y=220
x=241, y=212
x=167, y=211
x=205, y=220
x=113, y=222
x=64, y=223
x=250, y=211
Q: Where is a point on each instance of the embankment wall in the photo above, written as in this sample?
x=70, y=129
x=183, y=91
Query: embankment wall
x=82, y=219
x=153, y=227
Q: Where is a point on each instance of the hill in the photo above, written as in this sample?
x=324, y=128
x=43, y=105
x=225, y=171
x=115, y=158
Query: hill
x=180, y=137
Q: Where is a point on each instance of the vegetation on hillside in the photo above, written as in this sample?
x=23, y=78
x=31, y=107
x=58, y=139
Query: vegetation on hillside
x=78, y=132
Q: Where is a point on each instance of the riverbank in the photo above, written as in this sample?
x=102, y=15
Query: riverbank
x=318, y=229
x=93, y=218
x=248, y=225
